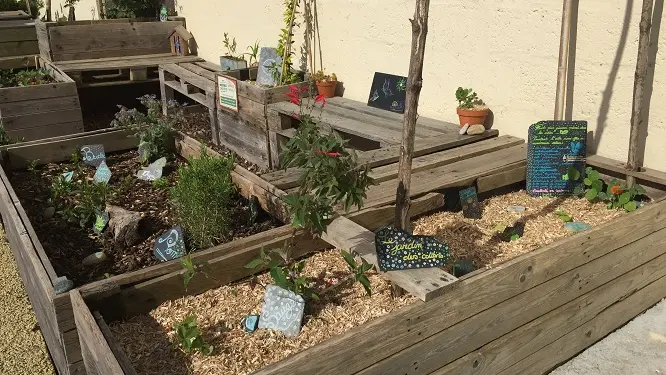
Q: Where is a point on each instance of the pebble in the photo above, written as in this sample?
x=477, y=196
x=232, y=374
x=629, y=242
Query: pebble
x=94, y=259
x=515, y=209
x=476, y=129
x=463, y=130
x=49, y=212
x=576, y=226
x=62, y=285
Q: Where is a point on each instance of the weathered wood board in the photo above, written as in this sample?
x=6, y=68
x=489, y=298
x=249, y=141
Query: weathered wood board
x=18, y=41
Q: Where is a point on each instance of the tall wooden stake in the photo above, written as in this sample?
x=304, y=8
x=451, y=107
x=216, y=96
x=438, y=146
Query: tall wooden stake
x=414, y=84
x=565, y=34
x=639, y=83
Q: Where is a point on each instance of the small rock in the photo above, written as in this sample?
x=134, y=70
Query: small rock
x=124, y=225
x=576, y=227
x=463, y=130
x=515, y=209
x=62, y=285
x=95, y=259
x=476, y=129
x=49, y=212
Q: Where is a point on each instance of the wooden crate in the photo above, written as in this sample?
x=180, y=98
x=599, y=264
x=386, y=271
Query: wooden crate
x=524, y=316
x=42, y=111
x=18, y=40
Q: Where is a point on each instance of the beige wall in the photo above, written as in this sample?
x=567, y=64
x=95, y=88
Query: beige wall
x=507, y=50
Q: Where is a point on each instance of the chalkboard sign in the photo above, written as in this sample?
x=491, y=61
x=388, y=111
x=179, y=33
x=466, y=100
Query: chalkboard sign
x=388, y=92
x=103, y=173
x=399, y=250
x=170, y=245
x=553, y=148
x=101, y=219
x=470, y=203
x=268, y=59
x=93, y=155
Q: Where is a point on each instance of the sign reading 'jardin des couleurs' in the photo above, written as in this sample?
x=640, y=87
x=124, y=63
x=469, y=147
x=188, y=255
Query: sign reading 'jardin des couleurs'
x=399, y=250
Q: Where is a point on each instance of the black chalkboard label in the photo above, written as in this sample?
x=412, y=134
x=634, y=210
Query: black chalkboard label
x=170, y=245
x=388, y=92
x=399, y=250
x=470, y=203
x=553, y=148
x=93, y=155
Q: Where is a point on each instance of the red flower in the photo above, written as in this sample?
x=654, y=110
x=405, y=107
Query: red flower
x=294, y=98
x=320, y=98
x=330, y=154
x=304, y=89
x=616, y=190
x=293, y=89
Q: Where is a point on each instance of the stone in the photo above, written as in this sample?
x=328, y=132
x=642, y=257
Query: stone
x=476, y=129
x=102, y=174
x=124, y=225
x=93, y=155
x=49, y=212
x=515, y=209
x=463, y=130
x=62, y=285
x=153, y=171
x=68, y=176
x=170, y=245
x=576, y=227
x=249, y=323
x=95, y=259
x=282, y=310
x=267, y=57
x=101, y=220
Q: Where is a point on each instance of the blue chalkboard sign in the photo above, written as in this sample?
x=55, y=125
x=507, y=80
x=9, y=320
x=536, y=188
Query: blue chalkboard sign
x=399, y=250
x=388, y=92
x=553, y=148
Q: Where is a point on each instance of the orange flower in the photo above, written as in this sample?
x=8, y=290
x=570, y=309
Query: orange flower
x=616, y=190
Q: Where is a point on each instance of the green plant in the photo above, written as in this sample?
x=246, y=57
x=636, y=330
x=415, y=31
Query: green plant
x=124, y=187
x=253, y=54
x=202, y=196
x=32, y=165
x=132, y=8
x=332, y=173
x=564, y=216
x=189, y=336
x=78, y=201
x=6, y=139
x=191, y=268
x=320, y=76
x=286, y=74
x=467, y=98
x=154, y=129
x=359, y=270
x=161, y=183
x=615, y=193
x=24, y=77
x=285, y=273
x=230, y=45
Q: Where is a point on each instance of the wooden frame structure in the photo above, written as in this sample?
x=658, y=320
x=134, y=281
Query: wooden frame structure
x=18, y=40
x=110, y=52
x=525, y=315
x=42, y=111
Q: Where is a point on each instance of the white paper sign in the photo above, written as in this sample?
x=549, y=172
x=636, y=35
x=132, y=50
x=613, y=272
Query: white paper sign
x=227, y=92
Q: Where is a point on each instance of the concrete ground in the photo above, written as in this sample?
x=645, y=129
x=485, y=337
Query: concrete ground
x=639, y=348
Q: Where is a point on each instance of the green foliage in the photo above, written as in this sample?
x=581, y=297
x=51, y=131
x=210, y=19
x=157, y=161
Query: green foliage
x=189, y=337
x=78, y=200
x=132, y=8
x=287, y=75
x=285, y=273
x=5, y=139
x=153, y=129
x=359, y=270
x=230, y=45
x=24, y=77
x=32, y=165
x=253, y=54
x=202, y=196
x=190, y=269
x=564, y=216
x=467, y=98
x=161, y=183
x=616, y=194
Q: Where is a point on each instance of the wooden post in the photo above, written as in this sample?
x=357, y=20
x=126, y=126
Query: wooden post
x=564, y=58
x=48, y=10
x=27, y=6
x=414, y=84
x=639, y=83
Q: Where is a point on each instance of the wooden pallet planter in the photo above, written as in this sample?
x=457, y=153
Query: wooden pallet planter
x=42, y=111
x=109, y=52
x=18, y=40
x=525, y=315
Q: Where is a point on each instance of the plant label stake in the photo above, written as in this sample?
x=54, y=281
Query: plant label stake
x=93, y=155
x=282, y=310
x=103, y=173
x=470, y=203
x=399, y=250
x=170, y=245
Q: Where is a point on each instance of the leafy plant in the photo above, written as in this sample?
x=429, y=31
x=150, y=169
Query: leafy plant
x=285, y=273
x=32, y=165
x=332, y=174
x=253, y=54
x=161, y=183
x=154, y=129
x=189, y=336
x=616, y=194
x=467, y=98
x=286, y=74
x=564, y=216
x=132, y=8
x=25, y=77
x=230, y=45
x=202, y=196
x=190, y=269
x=359, y=270
x=78, y=201
x=320, y=76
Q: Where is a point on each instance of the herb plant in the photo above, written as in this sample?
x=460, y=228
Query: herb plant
x=189, y=336
x=359, y=270
x=161, y=183
x=287, y=75
x=191, y=268
x=6, y=139
x=26, y=77
x=467, y=98
x=320, y=76
x=153, y=129
x=202, y=196
x=285, y=273
x=230, y=45
x=78, y=201
x=253, y=54
x=614, y=193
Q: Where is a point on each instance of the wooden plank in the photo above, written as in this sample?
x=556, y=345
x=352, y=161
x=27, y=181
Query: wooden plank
x=559, y=296
x=646, y=174
x=50, y=90
x=145, y=61
x=27, y=107
x=199, y=98
x=248, y=142
x=376, y=340
x=117, y=350
x=501, y=179
x=600, y=326
x=26, y=47
x=97, y=354
x=424, y=284
x=16, y=62
x=196, y=69
x=43, y=40
x=36, y=120
x=190, y=77
x=46, y=131
x=19, y=33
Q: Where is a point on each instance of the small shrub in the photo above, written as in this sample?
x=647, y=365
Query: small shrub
x=78, y=201
x=161, y=183
x=189, y=337
x=467, y=98
x=359, y=270
x=614, y=193
x=27, y=77
x=287, y=275
x=202, y=196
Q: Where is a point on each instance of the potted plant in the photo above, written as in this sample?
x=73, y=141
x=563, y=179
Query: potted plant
x=326, y=84
x=231, y=61
x=471, y=109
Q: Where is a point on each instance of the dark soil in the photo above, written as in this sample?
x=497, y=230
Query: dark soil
x=67, y=244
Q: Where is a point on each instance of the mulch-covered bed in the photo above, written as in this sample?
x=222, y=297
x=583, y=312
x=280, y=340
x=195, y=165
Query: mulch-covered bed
x=149, y=341
x=67, y=244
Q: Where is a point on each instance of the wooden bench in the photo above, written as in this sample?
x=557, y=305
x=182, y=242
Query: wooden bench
x=18, y=40
x=110, y=52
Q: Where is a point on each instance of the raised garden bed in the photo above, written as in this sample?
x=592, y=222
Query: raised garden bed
x=41, y=104
x=527, y=311
x=18, y=40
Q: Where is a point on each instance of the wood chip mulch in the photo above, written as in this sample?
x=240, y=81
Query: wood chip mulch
x=149, y=339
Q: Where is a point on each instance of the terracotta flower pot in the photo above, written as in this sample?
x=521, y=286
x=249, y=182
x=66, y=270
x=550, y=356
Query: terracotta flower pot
x=326, y=88
x=471, y=116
